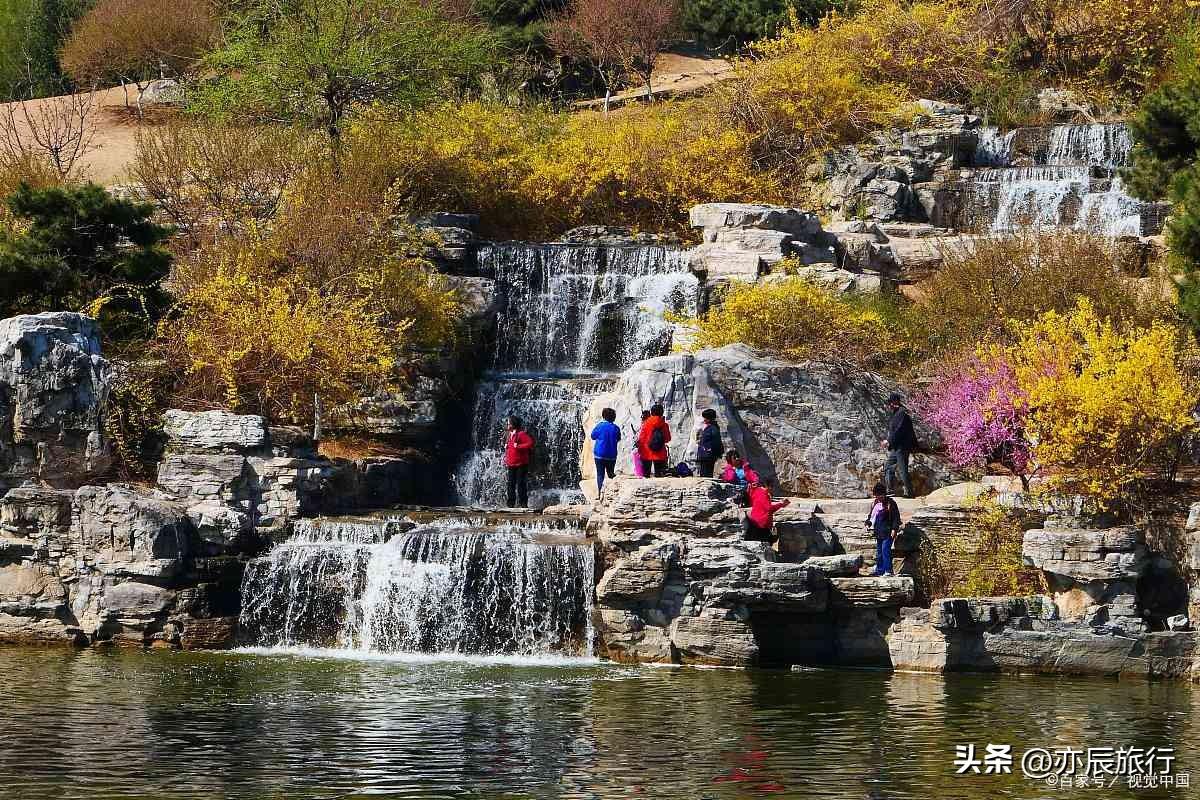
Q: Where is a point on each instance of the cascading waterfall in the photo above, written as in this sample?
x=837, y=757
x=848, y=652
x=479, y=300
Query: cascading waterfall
x=571, y=317
x=452, y=586
x=555, y=410
x=1072, y=181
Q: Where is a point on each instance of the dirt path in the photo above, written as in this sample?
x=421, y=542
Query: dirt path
x=675, y=75
x=113, y=134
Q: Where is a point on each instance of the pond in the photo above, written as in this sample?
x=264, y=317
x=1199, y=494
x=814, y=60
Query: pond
x=109, y=724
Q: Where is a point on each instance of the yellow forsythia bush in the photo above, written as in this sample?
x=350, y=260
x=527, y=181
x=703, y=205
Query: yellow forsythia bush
x=535, y=174
x=798, y=320
x=1108, y=402
x=255, y=342
x=830, y=85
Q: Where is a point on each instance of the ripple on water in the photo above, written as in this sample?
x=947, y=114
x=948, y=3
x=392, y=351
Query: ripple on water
x=318, y=724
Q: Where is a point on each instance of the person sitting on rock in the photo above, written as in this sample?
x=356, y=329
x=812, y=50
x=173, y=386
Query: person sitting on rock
x=518, y=451
x=606, y=434
x=708, y=443
x=884, y=522
x=653, y=439
x=737, y=470
x=760, y=520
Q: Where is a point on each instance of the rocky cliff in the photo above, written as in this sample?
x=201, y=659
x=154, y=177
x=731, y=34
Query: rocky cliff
x=811, y=429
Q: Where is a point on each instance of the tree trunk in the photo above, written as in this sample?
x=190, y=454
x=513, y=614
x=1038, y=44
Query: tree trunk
x=316, y=433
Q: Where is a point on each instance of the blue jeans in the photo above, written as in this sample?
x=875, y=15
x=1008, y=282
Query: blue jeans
x=883, y=556
x=605, y=465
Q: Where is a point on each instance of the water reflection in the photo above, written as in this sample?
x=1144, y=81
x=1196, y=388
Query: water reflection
x=108, y=725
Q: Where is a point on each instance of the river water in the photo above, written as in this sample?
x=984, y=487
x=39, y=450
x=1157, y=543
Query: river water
x=121, y=724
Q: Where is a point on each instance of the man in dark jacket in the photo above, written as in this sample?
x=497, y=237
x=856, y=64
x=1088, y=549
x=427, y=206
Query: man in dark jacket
x=901, y=441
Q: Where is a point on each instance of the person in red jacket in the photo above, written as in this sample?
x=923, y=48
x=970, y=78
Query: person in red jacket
x=518, y=450
x=761, y=517
x=653, y=439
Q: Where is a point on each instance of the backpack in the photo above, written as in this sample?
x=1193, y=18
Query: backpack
x=658, y=440
x=682, y=470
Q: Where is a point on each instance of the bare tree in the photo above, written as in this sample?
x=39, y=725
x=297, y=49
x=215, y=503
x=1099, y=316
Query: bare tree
x=616, y=37
x=57, y=131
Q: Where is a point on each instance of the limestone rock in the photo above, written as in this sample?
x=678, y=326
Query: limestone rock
x=627, y=639
x=220, y=525
x=136, y=600
x=805, y=427
x=712, y=217
x=1087, y=555
x=213, y=432
x=871, y=592
x=694, y=506
x=713, y=641
x=839, y=566
x=637, y=578
x=213, y=633
x=129, y=532
x=791, y=588
x=53, y=387
x=203, y=477
x=31, y=590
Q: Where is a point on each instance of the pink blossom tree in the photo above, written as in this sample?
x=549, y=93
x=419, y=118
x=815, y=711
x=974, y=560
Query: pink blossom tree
x=980, y=412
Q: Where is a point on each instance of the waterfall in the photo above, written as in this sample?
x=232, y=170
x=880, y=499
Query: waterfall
x=568, y=308
x=1071, y=182
x=452, y=586
x=554, y=412
x=571, y=317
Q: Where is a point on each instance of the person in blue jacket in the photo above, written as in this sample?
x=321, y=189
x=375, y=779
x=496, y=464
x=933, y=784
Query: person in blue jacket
x=606, y=434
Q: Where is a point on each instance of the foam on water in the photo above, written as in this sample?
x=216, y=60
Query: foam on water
x=495, y=659
x=454, y=586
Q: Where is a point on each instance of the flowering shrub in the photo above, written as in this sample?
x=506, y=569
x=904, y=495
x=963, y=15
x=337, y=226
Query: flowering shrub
x=256, y=342
x=981, y=414
x=1108, y=403
x=831, y=84
x=533, y=174
x=797, y=320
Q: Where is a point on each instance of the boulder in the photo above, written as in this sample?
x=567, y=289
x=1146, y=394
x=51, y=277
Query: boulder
x=53, y=386
x=714, y=641
x=712, y=217
x=122, y=531
x=214, y=432
x=806, y=427
x=1111, y=554
x=626, y=638
x=840, y=566
x=636, y=579
x=790, y=588
x=871, y=592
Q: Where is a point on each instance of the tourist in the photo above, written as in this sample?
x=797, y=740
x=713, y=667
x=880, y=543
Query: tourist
x=737, y=470
x=760, y=520
x=606, y=434
x=639, y=467
x=884, y=522
x=518, y=451
x=708, y=443
x=901, y=441
x=653, y=439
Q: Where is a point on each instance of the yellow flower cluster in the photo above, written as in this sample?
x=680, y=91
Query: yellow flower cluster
x=1108, y=403
x=531, y=173
x=271, y=344
x=797, y=320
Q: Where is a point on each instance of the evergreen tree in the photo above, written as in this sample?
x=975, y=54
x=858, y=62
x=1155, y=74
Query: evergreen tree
x=79, y=246
x=1166, y=133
